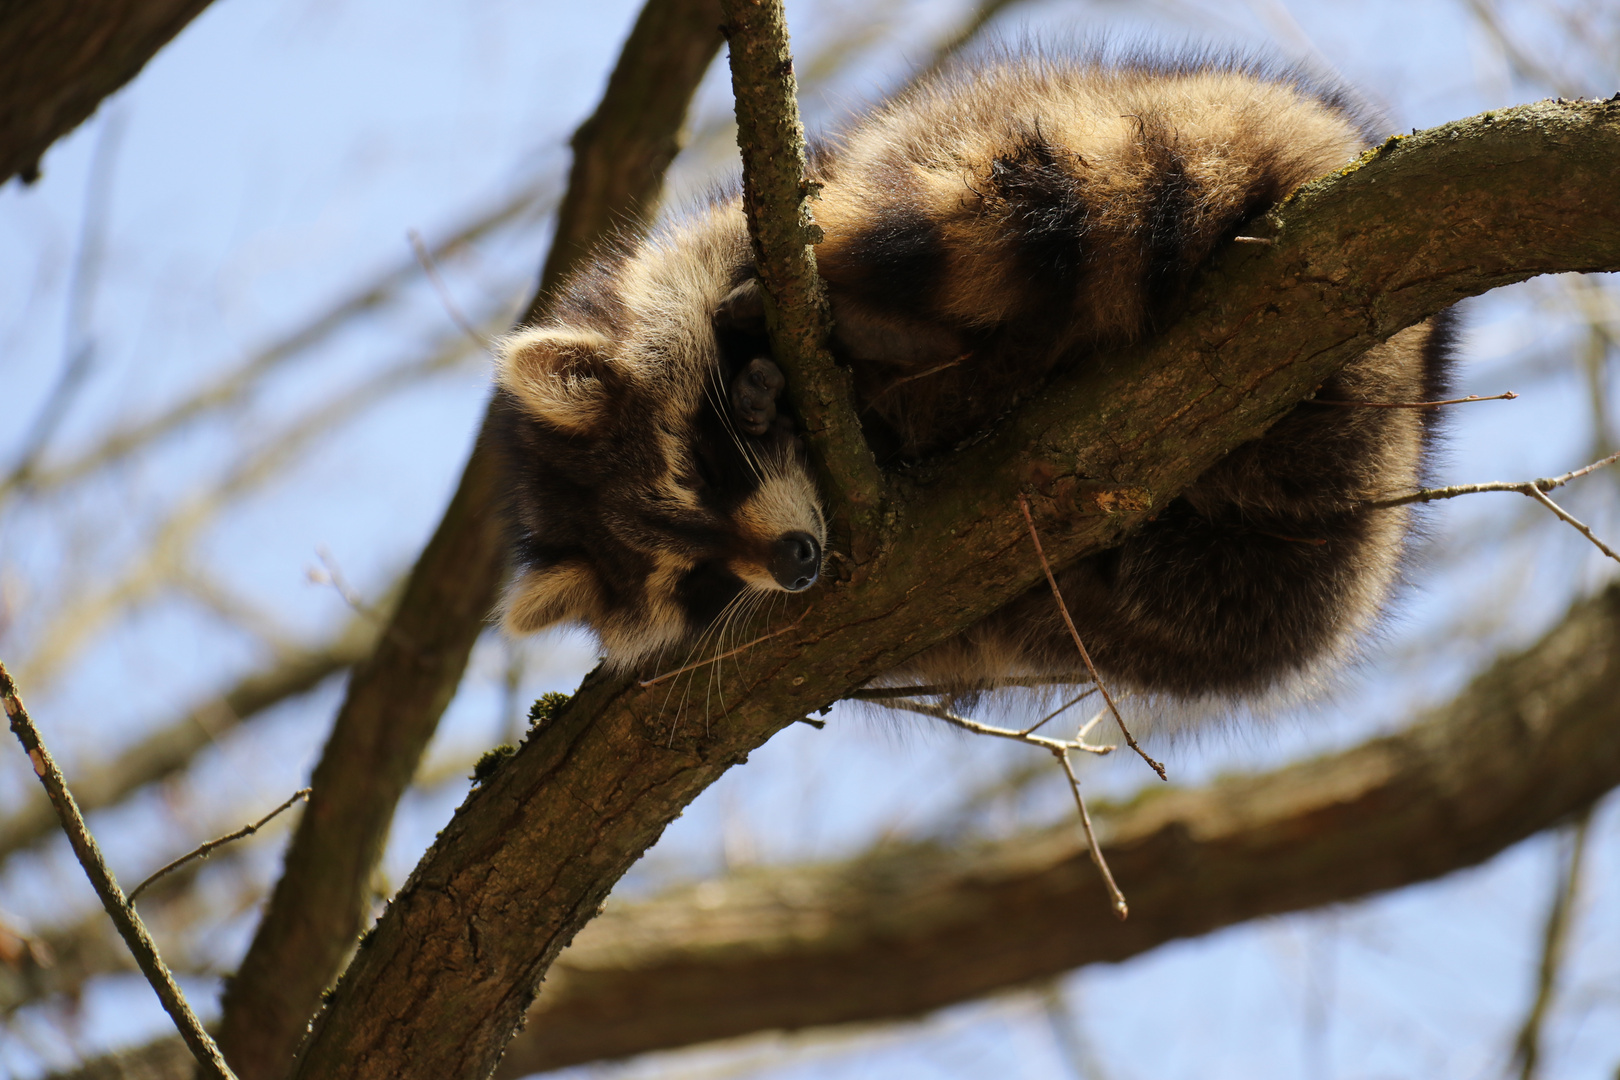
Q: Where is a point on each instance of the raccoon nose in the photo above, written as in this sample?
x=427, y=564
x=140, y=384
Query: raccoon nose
x=795, y=561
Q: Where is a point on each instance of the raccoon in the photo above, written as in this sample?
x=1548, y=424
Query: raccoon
x=981, y=232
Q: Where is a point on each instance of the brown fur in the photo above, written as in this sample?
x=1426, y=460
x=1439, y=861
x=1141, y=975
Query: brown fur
x=981, y=232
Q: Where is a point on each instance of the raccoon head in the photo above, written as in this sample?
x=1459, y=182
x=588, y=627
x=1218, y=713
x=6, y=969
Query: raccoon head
x=655, y=478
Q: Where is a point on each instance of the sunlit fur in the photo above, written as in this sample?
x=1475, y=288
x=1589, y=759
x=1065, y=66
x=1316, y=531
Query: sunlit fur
x=638, y=506
x=983, y=231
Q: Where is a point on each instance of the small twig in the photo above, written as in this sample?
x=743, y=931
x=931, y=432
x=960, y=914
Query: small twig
x=939, y=712
x=1121, y=908
x=1574, y=522
x=1023, y=504
x=332, y=574
x=1535, y=489
x=79, y=347
x=202, y=851
x=1058, y=748
x=431, y=269
x=1554, y=937
x=777, y=192
x=1522, y=487
x=123, y=915
x=1065, y=707
x=694, y=665
x=1508, y=395
x=1253, y=240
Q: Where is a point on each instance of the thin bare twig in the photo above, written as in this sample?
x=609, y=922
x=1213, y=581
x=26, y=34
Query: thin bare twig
x=1535, y=489
x=776, y=197
x=1063, y=608
x=1121, y=908
x=745, y=646
x=424, y=257
x=79, y=346
x=1025, y=735
x=123, y=915
x=202, y=851
x=1058, y=748
x=1570, y=519
x=1508, y=395
x=1546, y=483
x=1555, y=935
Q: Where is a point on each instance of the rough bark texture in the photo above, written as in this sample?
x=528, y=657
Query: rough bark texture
x=777, y=199
x=396, y=698
x=62, y=59
x=394, y=702
x=912, y=928
x=526, y=862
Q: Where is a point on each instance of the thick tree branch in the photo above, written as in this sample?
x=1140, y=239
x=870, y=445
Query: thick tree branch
x=62, y=59
x=525, y=863
x=777, y=198
x=396, y=698
x=912, y=928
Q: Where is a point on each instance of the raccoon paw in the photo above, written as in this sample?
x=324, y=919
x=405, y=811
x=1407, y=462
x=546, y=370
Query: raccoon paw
x=753, y=396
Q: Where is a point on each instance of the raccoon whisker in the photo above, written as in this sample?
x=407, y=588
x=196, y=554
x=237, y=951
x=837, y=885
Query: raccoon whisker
x=713, y=630
x=914, y=376
x=735, y=613
x=698, y=647
x=1063, y=609
x=1507, y=395
x=732, y=652
x=879, y=693
x=717, y=399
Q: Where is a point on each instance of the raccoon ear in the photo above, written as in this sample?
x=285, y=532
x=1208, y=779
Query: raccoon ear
x=561, y=375
x=565, y=592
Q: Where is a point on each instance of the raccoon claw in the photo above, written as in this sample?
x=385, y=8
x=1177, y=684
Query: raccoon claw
x=753, y=396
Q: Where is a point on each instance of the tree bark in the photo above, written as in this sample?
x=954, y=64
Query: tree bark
x=910, y=928
x=907, y=929
x=395, y=698
x=62, y=59
x=526, y=862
